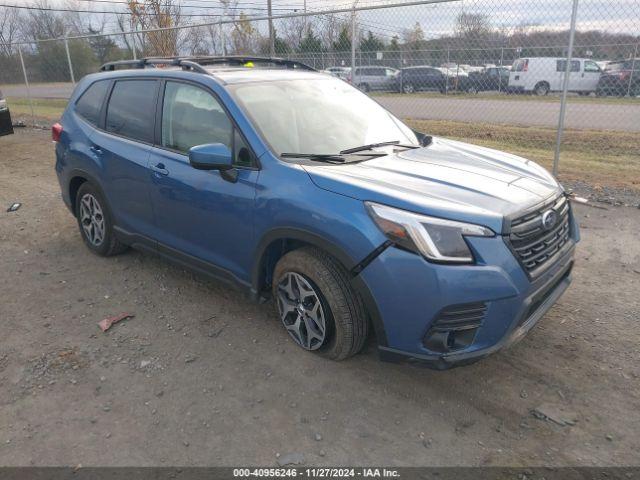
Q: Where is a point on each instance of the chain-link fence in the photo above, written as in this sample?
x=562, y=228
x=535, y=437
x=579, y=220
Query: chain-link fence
x=541, y=79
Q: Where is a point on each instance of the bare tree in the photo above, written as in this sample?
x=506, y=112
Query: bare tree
x=10, y=20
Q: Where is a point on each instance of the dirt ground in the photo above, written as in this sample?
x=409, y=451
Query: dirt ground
x=201, y=376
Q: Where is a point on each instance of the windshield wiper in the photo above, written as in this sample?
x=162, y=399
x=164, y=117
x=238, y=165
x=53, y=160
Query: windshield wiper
x=364, y=148
x=328, y=157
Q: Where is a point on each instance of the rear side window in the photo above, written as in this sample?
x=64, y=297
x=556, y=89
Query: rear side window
x=192, y=116
x=131, y=109
x=520, y=65
x=90, y=103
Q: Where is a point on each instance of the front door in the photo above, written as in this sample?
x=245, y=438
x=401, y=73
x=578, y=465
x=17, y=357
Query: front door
x=201, y=217
x=590, y=76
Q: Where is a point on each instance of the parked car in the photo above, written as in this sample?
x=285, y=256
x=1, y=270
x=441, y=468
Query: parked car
x=492, y=78
x=620, y=78
x=368, y=78
x=6, y=127
x=418, y=78
x=340, y=72
x=293, y=185
x=541, y=75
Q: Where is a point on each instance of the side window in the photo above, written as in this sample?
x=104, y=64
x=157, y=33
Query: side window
x=590, y=66
x=131, y=109
x=561, y=65
x=192, y=116
x=90, y=103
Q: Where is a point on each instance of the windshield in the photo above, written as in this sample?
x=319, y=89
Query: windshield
x=318, y=116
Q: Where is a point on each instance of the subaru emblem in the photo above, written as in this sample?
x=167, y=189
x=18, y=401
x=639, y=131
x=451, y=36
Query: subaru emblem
x=549, y=219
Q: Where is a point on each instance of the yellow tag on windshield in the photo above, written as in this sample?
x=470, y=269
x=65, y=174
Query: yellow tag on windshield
x=248, y=64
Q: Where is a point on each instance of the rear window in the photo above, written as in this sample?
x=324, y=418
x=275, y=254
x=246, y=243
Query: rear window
x=131, y=109
x=90, y=103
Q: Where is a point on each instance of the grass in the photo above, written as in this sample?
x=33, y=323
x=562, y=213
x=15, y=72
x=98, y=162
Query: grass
x=598, y=157
x=514, y=97
x=43, y=109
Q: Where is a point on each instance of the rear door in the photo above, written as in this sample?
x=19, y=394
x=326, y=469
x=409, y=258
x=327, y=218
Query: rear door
x=123, y=149
x=6, y=128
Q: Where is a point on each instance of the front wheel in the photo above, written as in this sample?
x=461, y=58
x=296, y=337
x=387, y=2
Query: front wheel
x=95, y=222
x=317, y=305
x=541, y=89
x=364, y=87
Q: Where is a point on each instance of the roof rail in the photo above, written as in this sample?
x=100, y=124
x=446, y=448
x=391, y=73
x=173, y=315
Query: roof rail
x=196, y=63
x=152, y=62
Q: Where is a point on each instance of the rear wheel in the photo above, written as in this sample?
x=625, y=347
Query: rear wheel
x=364, y=87
x=472, y=90
x=95, y=222
x=317, y=305
x=408, y=88
x=541, y=89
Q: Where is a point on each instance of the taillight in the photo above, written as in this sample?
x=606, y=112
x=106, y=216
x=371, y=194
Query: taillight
x=526, y=66
x=56, y=131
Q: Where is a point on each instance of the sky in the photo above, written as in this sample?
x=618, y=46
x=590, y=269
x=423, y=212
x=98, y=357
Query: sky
x=615, y=16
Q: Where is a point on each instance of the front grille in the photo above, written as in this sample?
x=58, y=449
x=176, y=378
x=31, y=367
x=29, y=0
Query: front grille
x=533, y=243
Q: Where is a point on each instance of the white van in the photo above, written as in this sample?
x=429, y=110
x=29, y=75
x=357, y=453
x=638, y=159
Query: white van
x=542, y=75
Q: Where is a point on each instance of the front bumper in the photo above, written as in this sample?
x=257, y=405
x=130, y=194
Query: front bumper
x=410, y=292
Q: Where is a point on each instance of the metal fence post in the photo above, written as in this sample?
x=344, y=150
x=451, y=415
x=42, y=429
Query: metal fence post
x=633, y=68
x=565, y=87
x=353, y=43
x=133, y=46
x=26, y=83
x=66, y=47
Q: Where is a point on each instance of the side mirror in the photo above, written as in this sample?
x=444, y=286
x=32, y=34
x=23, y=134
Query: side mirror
x=212, y=156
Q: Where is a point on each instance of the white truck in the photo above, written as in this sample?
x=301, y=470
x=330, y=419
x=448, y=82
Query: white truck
x=541, y=75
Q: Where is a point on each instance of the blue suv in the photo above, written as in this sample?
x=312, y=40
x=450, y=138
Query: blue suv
x=293, y=185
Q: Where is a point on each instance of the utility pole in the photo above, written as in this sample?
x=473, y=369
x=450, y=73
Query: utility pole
x=272, y=40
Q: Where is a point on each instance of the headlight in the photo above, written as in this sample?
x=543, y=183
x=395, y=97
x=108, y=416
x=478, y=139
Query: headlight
x=437, y=239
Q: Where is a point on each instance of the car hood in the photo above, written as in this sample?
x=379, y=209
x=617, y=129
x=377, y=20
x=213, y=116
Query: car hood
x=446, y=179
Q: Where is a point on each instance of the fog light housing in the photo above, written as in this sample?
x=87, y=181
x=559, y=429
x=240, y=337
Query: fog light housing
x=455, y=327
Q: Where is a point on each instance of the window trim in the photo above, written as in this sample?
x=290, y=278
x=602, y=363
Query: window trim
x=108, y=100
x=157, y=137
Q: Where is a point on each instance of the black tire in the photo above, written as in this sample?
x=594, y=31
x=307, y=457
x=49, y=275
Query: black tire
x=541, y=89
x=408, y=88
x=472, y=90
x=109, y=245
x=346, y=321
x=364, y=87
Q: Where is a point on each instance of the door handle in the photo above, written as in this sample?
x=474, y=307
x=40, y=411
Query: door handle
x=96, y=149
x=160, y=168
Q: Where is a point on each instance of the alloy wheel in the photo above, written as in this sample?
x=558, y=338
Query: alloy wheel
x=92, y=219
x=301, y=311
